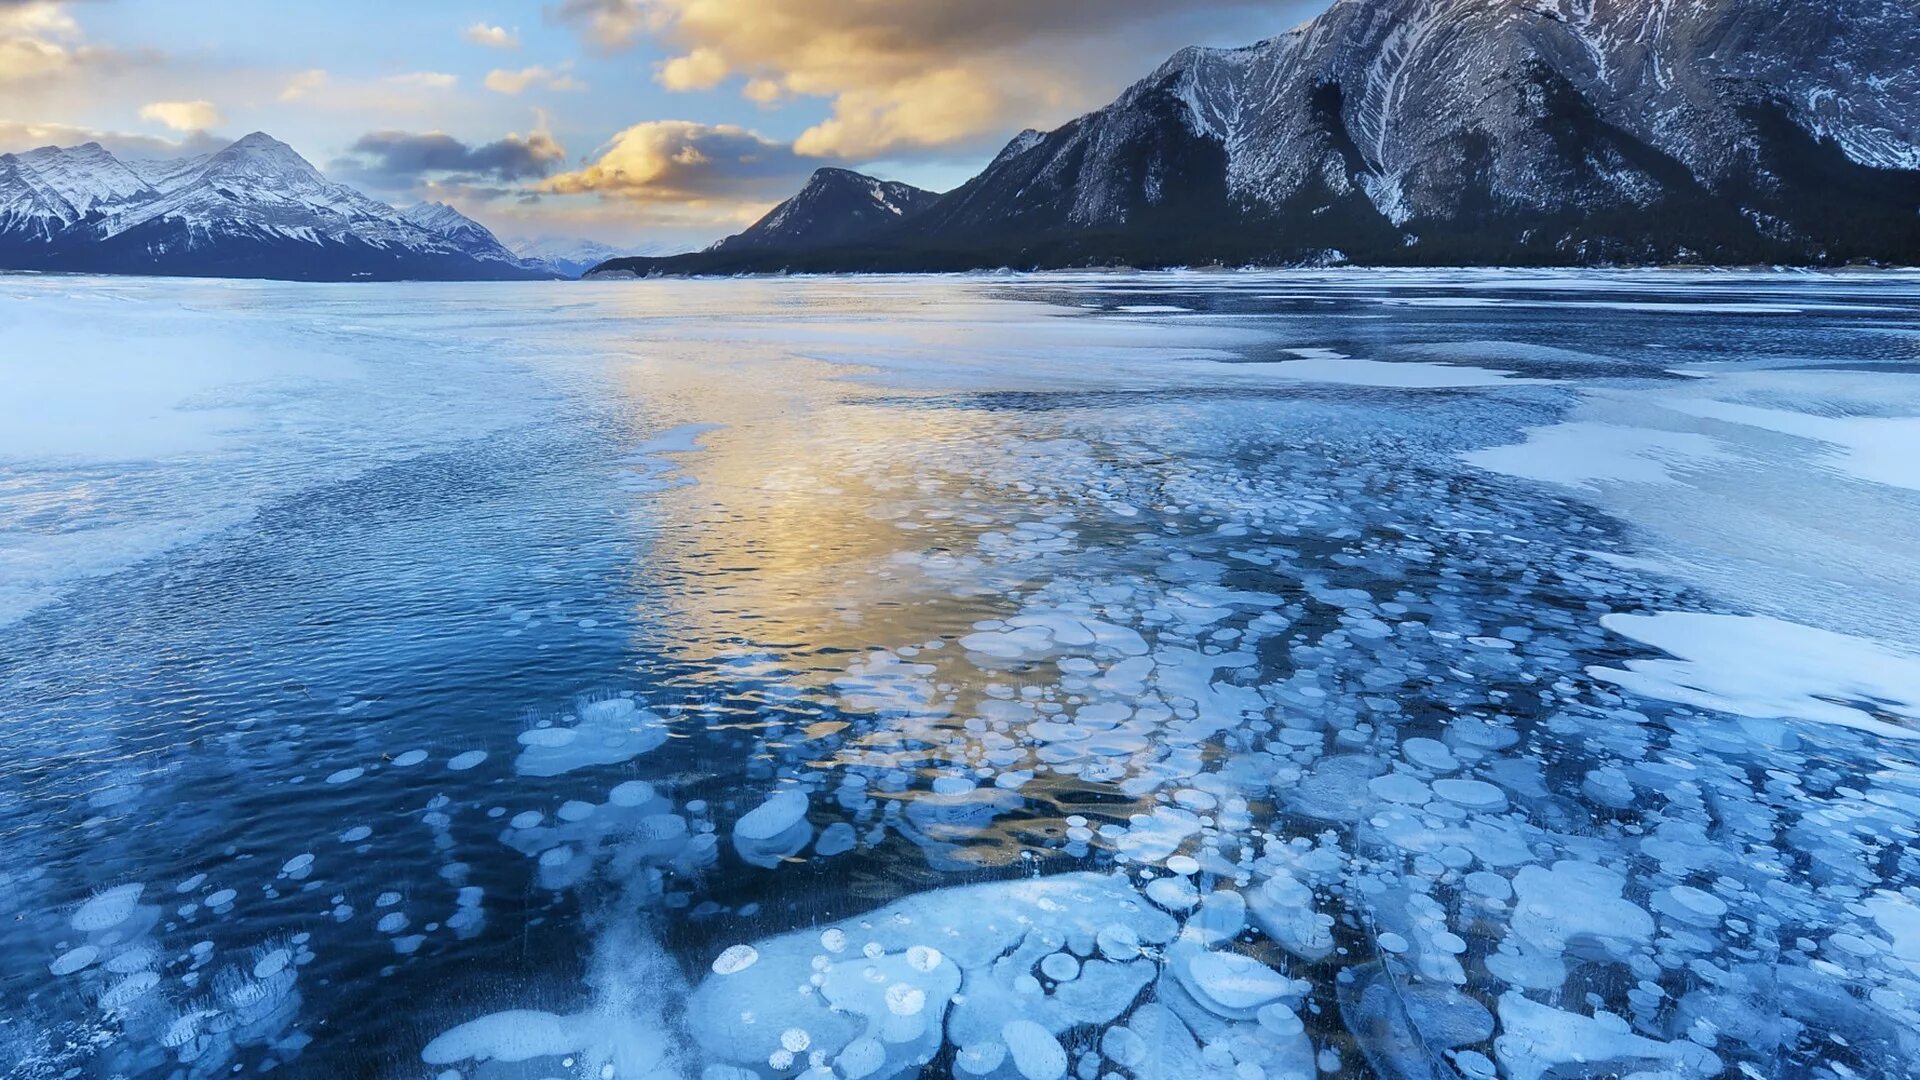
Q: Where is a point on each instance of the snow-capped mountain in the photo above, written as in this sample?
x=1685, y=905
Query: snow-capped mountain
x=565, y=256
x=1472, y=131
x=254, y=209
x=837, y=206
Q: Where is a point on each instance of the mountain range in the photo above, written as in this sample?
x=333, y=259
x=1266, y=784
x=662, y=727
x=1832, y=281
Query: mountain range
x=1521, y=132
x=253, y=209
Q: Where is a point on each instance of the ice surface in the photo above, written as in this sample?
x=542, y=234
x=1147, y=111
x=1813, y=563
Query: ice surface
x=1326, y=366
x=1767, y=668
x=1071, y=703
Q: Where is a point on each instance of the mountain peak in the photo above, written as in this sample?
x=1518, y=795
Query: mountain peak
x=837, y=206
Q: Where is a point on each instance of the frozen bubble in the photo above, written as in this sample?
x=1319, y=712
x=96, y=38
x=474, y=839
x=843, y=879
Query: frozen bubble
x=221, y=898
x=1393, y=943
x=609, y=732
x=1401, y=788
x=637, y=793
x=773, y=830
x=273, y=963
x=862, y=1058
x=346, y=776
x=923, y=958
x=409, y=759
x=834, y=940
x=836, y=839
x=905, y=999
x=1489, y=884
x=1233, y=982
x=1060, y=967
x=1173, y=893
x=297, y=867
x=108, y=909
x=1035, y=1052
x=355, y=834
x=1430, y=754
x=735, y=959
x=391, y=923
x=1117, y=941
x=512, y=1036
x=74, y=960
x=1184, y=865
x=527, y=819
x=128, y=990
x=464, y=761
x=1472, y=794
x=1691, y=905
x=190, y=884
x=1539, y=1041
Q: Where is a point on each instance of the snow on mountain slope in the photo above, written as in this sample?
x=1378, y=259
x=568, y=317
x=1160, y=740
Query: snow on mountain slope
x=469, y=235
x=567, y=257
x=254, y=209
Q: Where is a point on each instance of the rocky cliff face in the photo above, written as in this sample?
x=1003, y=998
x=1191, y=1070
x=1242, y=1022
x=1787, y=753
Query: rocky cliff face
x=1561, y=130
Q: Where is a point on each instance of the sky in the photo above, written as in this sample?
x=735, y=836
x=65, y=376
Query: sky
x=651, y=125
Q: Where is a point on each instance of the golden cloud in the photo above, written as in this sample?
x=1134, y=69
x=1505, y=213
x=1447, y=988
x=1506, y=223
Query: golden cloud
x=723, y=167
x=183, y=115
x=701, y=69
x=921, y=73
x=502, y=81
x=38, y=39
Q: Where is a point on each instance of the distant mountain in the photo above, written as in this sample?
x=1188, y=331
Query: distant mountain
x=254, y=209
x=1561, y=132
x=566, y=257
x=836, y=207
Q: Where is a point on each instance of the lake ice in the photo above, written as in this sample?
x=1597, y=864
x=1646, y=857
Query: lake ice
x=1404, y=674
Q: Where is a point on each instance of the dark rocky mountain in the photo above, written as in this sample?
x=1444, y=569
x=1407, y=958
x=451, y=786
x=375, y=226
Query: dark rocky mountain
x=254, y=209
x=837, y=207
x=1564, y=132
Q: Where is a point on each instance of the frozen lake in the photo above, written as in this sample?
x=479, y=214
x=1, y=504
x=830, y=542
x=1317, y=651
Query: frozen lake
x=1401, y=674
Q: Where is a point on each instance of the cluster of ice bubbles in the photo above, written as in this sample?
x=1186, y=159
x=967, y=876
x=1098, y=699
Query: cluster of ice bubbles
x=189, y=1012
x=1321, y=773
x=1318, y=772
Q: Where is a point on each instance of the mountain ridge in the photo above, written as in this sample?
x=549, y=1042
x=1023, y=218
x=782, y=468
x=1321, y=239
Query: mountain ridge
x=255, y=208
x=1460, y=132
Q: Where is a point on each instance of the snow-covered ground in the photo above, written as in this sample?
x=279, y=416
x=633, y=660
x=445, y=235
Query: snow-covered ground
x=1405, y=674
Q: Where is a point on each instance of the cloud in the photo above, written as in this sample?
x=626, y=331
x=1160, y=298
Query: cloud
x=701, y=69
x=19, y=136
x=925, y=74
x=492, y=37
x=425, y=80
x=401, y=160
x=502, y=81
x=38, y=40
x=722, y=167
x=305, y=84
x=183, y=115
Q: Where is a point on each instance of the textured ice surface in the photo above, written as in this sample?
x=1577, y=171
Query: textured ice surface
x=880, y=677
x=1770, y=669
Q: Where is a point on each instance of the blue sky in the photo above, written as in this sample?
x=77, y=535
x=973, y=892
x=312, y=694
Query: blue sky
x=645, y=123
